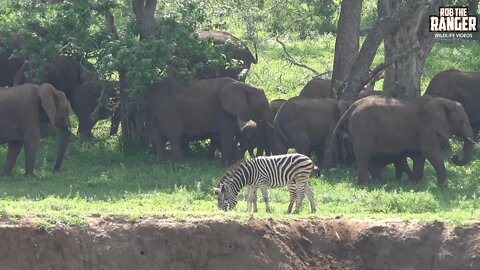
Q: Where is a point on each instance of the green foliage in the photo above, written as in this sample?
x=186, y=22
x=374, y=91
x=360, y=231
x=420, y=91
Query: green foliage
x=270, y=17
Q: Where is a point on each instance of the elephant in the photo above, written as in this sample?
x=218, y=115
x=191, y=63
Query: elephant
x=85, y=100
x=63, y=73
x=462, y=87
x=259, y=136
x=8, y=63
x=367, y=92
x=203, y=107
x=398, y=160
x=251, y=137
x=276, y=104
x=306, y=124
x=380, y=125
x=239, y=51
x=318, y=88
x=23, y=109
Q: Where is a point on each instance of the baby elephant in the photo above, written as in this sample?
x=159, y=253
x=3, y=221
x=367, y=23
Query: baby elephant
x=251, y=137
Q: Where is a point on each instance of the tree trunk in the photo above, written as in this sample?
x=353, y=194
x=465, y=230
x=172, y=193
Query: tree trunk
x=473, y=7
x=395, y=18
x=347, y=41
x=145, y=14
x=402, y=78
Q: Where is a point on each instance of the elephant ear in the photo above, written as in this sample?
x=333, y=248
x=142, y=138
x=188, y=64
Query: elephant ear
x=435, y=116
x=47, y=97
x=234, y=100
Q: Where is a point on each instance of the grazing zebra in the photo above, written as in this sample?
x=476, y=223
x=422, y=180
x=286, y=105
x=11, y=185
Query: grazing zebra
x=263, y=172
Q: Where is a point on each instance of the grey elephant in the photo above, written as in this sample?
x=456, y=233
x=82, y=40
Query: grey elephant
x=87, y=97
x=462, y=87
x=238, y=51
x=260, y=137
x=9, y=64
x=380, y=161
x=380, y=125
x=251, y=138
x=203, y=107
x=23, y=109
x=306, y=124
x=318, y=88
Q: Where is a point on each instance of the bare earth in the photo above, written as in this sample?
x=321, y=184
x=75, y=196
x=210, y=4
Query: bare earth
x=257, y=244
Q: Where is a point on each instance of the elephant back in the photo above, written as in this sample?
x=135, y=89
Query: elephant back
x=318, y=88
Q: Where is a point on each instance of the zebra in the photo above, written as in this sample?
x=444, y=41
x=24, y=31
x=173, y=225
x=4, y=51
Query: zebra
x=292, y=170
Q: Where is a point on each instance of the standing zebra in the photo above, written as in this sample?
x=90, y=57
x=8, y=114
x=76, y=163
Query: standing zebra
x=263, y=172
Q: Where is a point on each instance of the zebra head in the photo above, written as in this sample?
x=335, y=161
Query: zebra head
x=224, y=196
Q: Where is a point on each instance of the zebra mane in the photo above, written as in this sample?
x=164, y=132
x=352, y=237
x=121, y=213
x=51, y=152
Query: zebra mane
x=232, y=170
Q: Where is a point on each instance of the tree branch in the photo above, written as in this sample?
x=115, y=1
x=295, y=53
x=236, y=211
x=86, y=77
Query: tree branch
x=289, y=57
x=378, y=69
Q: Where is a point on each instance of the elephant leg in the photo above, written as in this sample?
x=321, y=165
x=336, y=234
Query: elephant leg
x=214, y=144
x=437, y=162
x=418, y=167
x=375, y=170
x=184, y=145
x=228, y=148
x=14, y=148
x=85, y=127
x=364, y=156
x=320, y=152
x=160, y=147
x=302, y=145
x=401, y=165
x=177, y=151
x=30, y=156
x=228, y=130
x=363, y=173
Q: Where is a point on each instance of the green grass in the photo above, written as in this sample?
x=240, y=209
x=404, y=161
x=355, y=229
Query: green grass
x=104, y=177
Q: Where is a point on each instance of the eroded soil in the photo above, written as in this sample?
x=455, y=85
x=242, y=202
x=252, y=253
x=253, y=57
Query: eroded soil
x=257, y=244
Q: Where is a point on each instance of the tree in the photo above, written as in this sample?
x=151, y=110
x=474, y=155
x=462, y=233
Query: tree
x=403, y=19
x=473, y=7
x=347, y=41
x=402, y=77
x=134, y=41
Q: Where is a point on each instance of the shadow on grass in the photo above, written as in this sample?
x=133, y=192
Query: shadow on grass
x=102, y=168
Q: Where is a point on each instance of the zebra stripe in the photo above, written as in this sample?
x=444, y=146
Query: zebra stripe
x=263, y=172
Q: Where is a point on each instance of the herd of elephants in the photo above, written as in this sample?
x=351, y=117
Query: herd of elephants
x=375, y=129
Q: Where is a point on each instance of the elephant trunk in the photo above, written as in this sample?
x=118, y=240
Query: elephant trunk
x=62, y=149
x=468, y=146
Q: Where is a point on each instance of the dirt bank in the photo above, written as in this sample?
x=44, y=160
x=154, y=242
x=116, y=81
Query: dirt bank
x=258, y=244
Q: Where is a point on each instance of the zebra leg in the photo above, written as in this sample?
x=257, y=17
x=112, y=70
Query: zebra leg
x=300, y=194
x=264, y=190
x=252, y=199
x=293, y=196
x=311, y=197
